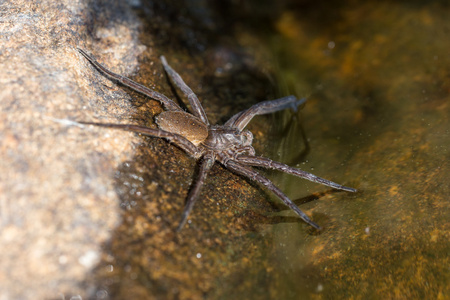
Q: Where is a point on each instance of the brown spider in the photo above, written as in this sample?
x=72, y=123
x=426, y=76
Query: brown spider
x=229, y=144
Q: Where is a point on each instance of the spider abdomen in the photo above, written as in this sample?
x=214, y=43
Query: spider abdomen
x=184, y=124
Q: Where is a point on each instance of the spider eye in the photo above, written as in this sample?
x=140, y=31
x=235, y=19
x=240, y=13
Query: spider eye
x=246, y=138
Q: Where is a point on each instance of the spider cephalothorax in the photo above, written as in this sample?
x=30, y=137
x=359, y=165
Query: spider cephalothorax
x=229, y=144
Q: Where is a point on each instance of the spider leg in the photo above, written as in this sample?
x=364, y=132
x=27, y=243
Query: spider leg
x=178, y=140
x=268, y=163
x=168, y=103
x=241, y=119
x=193, y=100
x=205, y=166
x=252, y=174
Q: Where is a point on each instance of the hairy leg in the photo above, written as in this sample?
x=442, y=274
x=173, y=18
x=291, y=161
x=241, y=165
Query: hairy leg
x=252, y=174
x=193, y=100
x=258, y=161
x=241, y=119
x=205, y=166
x=168, y=103
x=176, y=139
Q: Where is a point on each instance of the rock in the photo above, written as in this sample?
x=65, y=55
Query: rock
x=55, y=208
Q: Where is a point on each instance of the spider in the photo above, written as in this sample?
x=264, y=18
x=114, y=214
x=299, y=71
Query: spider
x=229, y=144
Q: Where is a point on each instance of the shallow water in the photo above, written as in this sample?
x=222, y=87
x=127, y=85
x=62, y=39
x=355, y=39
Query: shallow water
x=377, y=119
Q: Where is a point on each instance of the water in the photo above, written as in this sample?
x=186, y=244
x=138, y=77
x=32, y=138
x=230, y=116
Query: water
x=377, y=120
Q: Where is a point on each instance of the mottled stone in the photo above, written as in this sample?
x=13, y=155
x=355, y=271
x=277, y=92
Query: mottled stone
x=57, y=199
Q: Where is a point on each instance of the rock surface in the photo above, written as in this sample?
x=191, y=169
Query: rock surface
x=55, y=207
x=63, y=187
